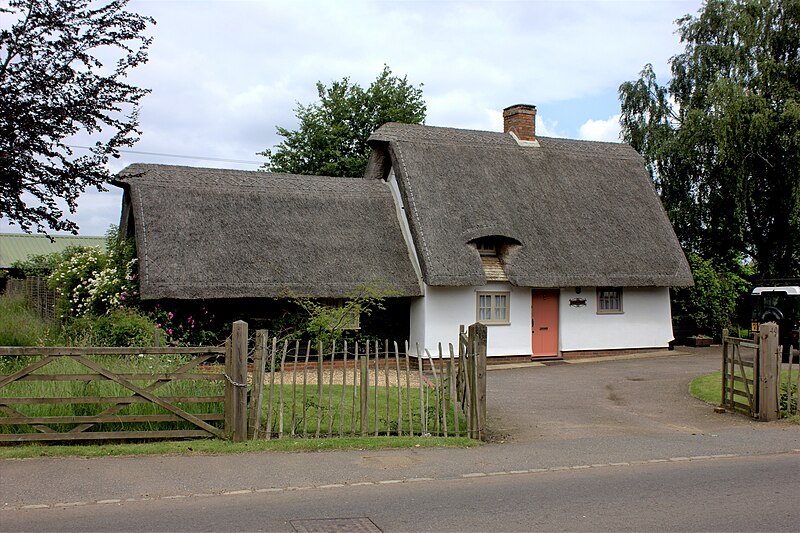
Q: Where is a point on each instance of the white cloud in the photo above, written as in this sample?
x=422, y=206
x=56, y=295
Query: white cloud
x=601, y=130
x=546, y=128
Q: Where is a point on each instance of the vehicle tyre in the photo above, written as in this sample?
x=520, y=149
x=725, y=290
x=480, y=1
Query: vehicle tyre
x=772, y=314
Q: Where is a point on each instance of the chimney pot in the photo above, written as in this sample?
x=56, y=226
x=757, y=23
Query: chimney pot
x=520, y=119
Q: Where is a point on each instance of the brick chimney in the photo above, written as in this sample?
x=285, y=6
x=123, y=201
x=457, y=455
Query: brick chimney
x=520, y=119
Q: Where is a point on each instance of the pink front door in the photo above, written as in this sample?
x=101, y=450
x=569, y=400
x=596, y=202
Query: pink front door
x=544, y=322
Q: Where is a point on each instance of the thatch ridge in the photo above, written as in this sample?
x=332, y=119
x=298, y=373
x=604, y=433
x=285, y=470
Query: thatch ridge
x=585, y=212
x=215, y=233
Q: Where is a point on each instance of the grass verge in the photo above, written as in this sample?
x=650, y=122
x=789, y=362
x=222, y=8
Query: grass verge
x=221, y=447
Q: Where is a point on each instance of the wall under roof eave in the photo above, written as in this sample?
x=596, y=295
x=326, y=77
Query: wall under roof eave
x=448, y=307
x=646, y=321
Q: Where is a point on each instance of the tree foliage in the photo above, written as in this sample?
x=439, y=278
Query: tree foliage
x=722, y=138
x=331, y=138
x=711, y=303
x=54, y=85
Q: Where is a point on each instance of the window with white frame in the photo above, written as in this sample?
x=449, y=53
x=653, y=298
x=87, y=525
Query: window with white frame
x=609, y=300
x=493, y=307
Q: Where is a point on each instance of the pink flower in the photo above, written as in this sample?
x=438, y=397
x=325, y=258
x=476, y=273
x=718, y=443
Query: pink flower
x=170, y=315
x=169, y=331
x=122, y=298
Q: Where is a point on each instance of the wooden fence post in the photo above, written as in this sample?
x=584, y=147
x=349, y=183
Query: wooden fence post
x=236, y=383
x=257, y=392
x=724, y=401
x=228, y=411
x=364, y=396
x=477, y=343
x=768, y=376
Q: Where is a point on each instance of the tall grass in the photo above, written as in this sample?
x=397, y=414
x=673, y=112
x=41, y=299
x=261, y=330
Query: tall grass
x=19, y=325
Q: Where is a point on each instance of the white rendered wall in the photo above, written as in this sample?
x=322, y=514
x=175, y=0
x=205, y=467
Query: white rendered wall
x=444, y=308
x=416, y=328
x=646, y=321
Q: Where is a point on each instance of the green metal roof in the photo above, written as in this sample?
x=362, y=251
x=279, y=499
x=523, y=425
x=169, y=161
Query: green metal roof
x=20, y=246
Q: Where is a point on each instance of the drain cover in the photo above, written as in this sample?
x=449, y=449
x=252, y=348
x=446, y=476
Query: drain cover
x=336, y=525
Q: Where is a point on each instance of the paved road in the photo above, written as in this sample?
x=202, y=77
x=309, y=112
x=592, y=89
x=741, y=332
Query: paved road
x=733, y=494
x=634, y=415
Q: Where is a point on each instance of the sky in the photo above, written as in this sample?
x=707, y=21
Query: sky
x=224, y=74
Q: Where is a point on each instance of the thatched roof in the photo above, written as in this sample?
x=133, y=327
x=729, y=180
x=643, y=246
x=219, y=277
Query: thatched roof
x=585, y=213
x=211, y=233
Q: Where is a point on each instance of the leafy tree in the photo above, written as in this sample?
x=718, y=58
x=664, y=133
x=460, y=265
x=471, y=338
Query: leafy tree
x=40, y=265
x=332, y=136
x=53, y=86
x=711, y=303
x=722, y=138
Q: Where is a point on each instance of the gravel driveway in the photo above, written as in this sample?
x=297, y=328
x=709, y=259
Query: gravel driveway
x=647, y=394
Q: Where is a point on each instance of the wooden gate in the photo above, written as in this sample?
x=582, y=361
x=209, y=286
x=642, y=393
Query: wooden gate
x=471, y=378
x=135, y=375
x=750, y=380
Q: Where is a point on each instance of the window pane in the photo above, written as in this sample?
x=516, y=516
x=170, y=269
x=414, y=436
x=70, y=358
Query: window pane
x=500, y=307
x=484, y=307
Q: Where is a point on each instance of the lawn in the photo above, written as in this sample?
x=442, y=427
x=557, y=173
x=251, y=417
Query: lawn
x=709, y=389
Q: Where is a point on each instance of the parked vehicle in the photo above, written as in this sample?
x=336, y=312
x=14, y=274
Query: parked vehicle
x=779, y=304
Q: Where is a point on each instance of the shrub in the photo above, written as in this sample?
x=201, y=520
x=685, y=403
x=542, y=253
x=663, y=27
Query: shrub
x=784, y=396
x=93, y=281
x=711, y=303
x=118, y=327
x=324, y=321
x=182, y=327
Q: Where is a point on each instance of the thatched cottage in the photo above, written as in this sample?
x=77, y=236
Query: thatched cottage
x=559, y=246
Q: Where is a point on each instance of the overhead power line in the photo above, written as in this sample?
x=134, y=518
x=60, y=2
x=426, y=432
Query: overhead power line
x=198, y=157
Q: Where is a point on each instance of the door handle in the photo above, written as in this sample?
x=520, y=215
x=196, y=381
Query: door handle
x=543, y=328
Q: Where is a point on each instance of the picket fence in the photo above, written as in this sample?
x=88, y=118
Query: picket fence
x=368, y=388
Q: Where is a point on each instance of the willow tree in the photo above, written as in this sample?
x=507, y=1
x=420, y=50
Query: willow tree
x=721, y=139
